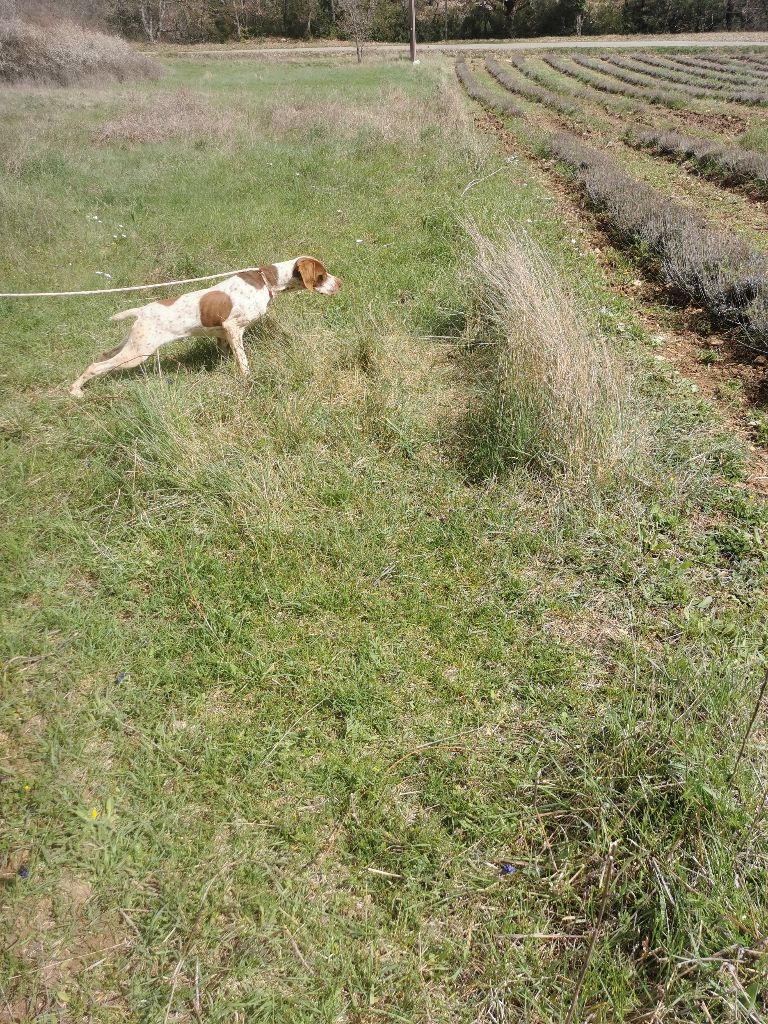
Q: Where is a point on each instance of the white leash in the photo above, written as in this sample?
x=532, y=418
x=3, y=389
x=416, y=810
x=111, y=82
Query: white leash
x=132, y=288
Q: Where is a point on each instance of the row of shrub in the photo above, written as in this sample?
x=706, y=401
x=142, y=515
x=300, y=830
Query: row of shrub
x=62, y=53
x=669, y=68
x=714, y=268
x=523, y=87
x=688, y=81
x=622, y=69
x=586, y=87
x=583, y=69
x=753, y=59
x=721, y=70
x=496, y=101
x=727, y=164
x=573, y=88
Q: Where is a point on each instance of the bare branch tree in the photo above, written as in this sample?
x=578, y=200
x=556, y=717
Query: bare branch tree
x=356, y=18
x=152, y=18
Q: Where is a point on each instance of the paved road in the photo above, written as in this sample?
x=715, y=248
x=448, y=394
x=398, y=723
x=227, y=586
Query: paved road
x=756, y=39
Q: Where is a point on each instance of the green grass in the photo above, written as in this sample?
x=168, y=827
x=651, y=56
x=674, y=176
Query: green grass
x=286, y=683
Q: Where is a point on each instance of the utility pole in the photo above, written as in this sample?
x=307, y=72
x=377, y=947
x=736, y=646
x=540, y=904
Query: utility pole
x=412, y=20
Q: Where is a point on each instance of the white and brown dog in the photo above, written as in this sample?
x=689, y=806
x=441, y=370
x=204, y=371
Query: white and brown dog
x=223, y=312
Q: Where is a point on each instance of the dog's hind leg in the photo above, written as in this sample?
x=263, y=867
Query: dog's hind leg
x=142, y=342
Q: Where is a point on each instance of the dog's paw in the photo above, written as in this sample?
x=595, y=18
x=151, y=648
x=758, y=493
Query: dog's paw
x=76, y=392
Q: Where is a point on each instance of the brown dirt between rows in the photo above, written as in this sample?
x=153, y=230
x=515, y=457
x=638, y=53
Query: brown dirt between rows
x=685, y=329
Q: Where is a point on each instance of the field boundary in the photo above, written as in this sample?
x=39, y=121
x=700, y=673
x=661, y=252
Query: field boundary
x=450, y=47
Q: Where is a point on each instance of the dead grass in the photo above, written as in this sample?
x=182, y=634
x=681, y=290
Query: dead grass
x=190, y=116
x=62, y=53
x=396, y=117
x=180, y=115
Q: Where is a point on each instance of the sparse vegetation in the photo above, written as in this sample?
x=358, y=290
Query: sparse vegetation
x=63, y=53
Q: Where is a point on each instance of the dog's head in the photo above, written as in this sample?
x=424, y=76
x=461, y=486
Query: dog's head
x=311, y=274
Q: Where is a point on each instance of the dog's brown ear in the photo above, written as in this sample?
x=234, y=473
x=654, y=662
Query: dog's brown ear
x=310, y=270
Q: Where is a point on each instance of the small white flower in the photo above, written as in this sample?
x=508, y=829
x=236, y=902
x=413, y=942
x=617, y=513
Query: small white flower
x=103, y=273
x=359, y=241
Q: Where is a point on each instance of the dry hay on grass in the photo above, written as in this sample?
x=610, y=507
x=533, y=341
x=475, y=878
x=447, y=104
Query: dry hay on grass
x=62, y=53
x=164, y=116
x=395, y=117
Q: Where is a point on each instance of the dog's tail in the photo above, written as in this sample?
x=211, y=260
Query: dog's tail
x=127, y=314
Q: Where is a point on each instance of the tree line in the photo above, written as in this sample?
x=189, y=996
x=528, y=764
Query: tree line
x=194, y=21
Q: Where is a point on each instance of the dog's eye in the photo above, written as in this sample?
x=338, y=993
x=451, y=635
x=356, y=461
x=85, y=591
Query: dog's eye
x=321, y=278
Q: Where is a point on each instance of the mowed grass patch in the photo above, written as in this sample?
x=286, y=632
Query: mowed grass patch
x=285, y=686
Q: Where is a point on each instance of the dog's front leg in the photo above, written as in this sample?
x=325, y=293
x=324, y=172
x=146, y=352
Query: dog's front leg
x=234, y=333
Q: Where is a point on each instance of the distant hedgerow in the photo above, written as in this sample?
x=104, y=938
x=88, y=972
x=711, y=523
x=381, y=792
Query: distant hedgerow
x=713, y=267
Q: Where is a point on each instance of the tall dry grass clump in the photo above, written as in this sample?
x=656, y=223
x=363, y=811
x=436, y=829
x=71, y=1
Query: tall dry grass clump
x=551, y=395
x=62, y=53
